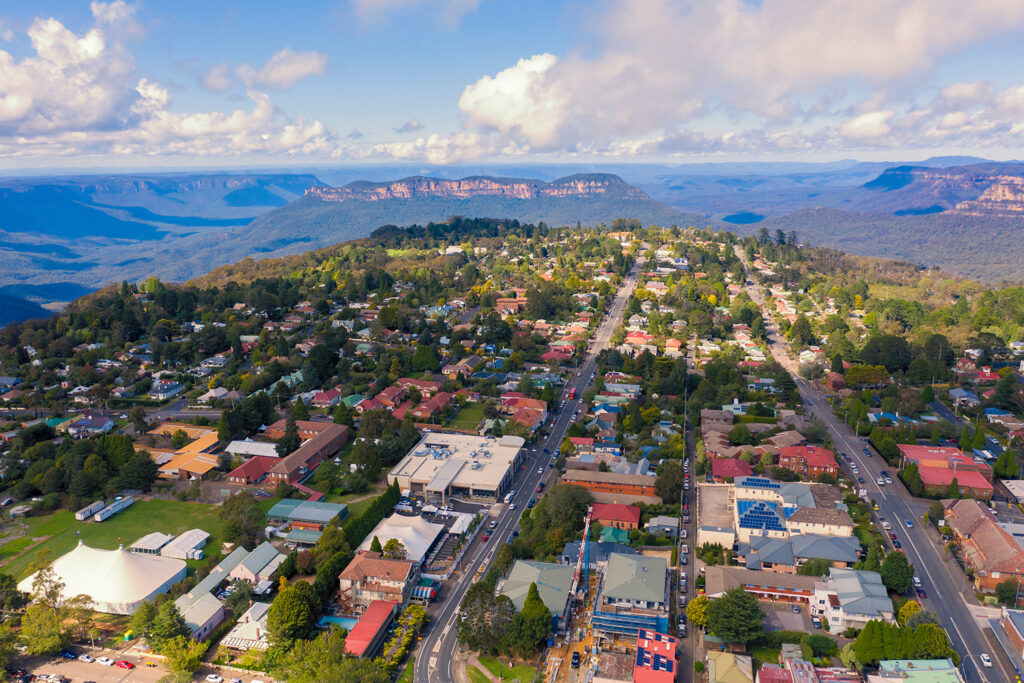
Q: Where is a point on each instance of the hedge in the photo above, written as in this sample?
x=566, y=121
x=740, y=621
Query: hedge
x=357, y=528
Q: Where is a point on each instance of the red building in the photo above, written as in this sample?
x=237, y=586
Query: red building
x=808, y=461
x=617, y=515
x=722, y=468
x=655, y=657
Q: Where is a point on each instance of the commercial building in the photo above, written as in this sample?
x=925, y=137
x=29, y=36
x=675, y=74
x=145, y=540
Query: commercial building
x=369, y=633
x=444, y=465
x=369, y=578
x=939, y=466
x=852, y=598
x=417, y=535
x=612, y=487
x=916, y=671
x=115, y=581
x=787, y=555
x=194, y=460
x=633, y=594
x=554, y=583
x=306, y=514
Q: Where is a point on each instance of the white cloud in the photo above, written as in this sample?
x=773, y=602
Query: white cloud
x=657, y=66
x=80, y=96
x=868, y=126
x=410, y=126
x=217, y=78
x=284, y=69
x=447, y=13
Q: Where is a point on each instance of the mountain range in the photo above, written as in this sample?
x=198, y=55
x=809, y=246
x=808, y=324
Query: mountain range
x=63, y=236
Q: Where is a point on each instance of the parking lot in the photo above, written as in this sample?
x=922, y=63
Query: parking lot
x=780, y=616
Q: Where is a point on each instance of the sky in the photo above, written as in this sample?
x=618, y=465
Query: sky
x=265, y=83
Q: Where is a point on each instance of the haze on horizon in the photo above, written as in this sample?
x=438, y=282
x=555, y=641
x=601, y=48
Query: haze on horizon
x=435, y=82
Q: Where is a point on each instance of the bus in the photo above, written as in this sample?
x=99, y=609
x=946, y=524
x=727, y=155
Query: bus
x=572, y=393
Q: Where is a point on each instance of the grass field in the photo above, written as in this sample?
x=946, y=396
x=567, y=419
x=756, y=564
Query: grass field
x=765, y=655
x=476, y=675
x=468, y=417
x=167, y=516
x=406, y=676
x=522, y=673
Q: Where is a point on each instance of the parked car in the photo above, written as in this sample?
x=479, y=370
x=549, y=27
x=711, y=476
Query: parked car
x=816, y=621
x=214, y=678
x=533, y=501
x=986, y=661
x=575, y=660
x=85, y=658
x=69, y=654
x=124, y=664
x=105, y=661
x=897, y=544
x=796, y=609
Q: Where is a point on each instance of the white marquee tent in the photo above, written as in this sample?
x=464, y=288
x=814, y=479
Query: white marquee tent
x=115, y=580
x=415, y=533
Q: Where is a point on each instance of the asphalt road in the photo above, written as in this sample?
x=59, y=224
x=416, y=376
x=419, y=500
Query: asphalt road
x=434, y=657
x=943, y=581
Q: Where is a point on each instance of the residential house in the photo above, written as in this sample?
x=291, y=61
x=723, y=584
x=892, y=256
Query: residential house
x=663, y=525
x=370, y=577
x=728, y=667
x=985, y=546
x=433, y=406
x=164, y=389
x=852, y=598
x=808, y=461
x=250, y=631
x=554, y=585
x=616, y=515
x=259, y=565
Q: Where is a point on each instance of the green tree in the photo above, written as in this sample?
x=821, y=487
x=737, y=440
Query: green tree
x=1006, y=592
x=167, y=624
x=816, y=567
x=141, y=623
x=291, y=441
x=953, y=491
x=394, y=550
x=1006, y=465
x=179, y=439
x=8, y=645
x=936, y=511
x=800, y=333
x=931, y=642
x=300, y=411
x=241, y=519
x=43, y=631
x=669, y=483
x=375, y=545
x=909, y=609
x=978, y=439
x=697, y=610
x=324, y=659
x=897, y=573
x=184, y=656
x=292, y=614
x=735, y=616
x=531, y=626
x=911, y=476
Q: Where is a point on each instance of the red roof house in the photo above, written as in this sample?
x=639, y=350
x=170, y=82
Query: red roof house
x=729, y=467
x=617, y=515
x=368, y=633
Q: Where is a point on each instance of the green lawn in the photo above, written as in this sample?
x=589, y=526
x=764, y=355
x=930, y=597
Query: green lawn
x=406, y=676
x=468, y=417
x=167, y=516
x=522, y=673
x=765, y=655
x=476, y=675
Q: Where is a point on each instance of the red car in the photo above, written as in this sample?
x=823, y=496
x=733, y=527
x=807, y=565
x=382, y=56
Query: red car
x=124, y=664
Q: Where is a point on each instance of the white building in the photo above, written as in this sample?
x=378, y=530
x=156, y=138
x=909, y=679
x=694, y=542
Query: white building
x=443, y=465
x=852, y=598
x=415, y=533
x=115, y=581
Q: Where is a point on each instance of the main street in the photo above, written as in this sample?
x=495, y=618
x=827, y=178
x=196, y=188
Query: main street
x=947, y=589
x=435, y=654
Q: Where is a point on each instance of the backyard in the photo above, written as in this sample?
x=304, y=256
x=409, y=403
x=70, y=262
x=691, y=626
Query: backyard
x=59, y=531
x=468, y=417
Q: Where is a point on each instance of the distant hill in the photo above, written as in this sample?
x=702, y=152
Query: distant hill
x=987, y=248
x=14, y=309
x=327, y=214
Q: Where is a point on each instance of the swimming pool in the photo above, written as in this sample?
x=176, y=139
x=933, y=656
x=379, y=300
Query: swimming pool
x=344, y=622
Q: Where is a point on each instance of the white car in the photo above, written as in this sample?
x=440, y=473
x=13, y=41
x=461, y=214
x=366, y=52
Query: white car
x=214, y=678
x=511, y=506
x=85, y=658
x=986, y=660
x=105, y=661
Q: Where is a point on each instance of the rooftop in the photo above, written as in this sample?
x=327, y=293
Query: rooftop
x=635, y=577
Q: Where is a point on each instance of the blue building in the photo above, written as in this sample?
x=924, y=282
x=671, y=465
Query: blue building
x=633, y=594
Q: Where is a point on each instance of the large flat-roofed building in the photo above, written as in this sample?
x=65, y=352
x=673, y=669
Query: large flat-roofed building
x=443, y=465
x=612, y=487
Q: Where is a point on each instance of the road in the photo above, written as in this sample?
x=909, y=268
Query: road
x=943, y=581
x=434, y=657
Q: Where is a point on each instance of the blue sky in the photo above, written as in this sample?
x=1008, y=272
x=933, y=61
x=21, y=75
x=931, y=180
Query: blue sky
x=189, y=83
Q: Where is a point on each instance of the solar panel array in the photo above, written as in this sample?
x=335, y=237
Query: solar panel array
x=758, y=514
x=759, y=482
x=653, y=660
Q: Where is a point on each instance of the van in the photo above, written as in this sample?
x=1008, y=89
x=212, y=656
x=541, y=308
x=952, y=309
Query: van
x=917, y=582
